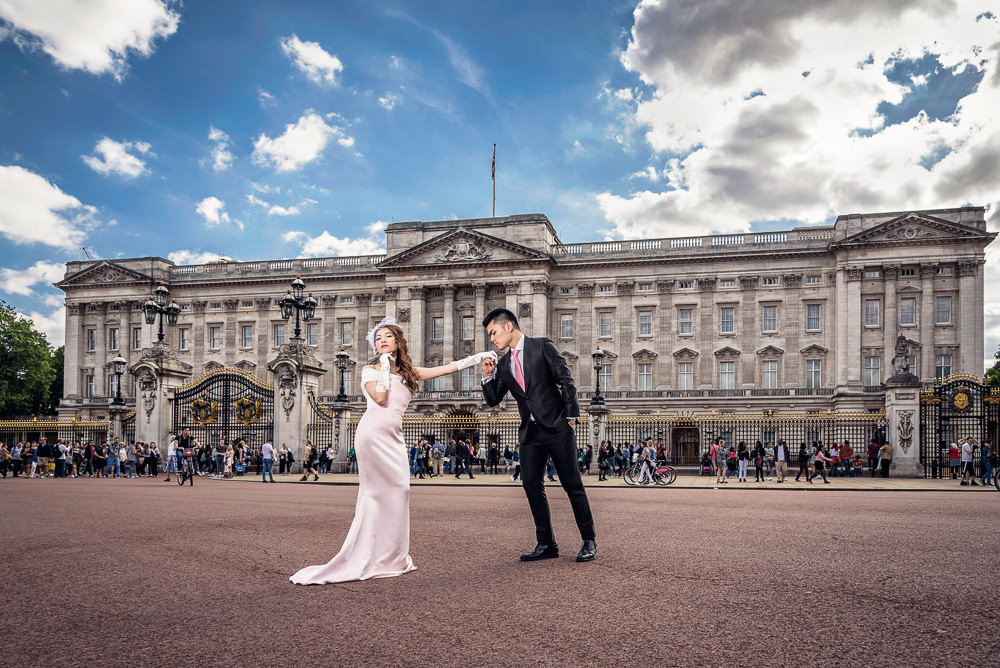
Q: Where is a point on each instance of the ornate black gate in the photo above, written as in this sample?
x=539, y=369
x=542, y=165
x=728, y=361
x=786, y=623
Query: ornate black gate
x=226, y=403
x=954, y=408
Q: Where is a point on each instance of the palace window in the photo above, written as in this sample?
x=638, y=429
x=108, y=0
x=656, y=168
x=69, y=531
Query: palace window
x=434, y=384
x=873, y=273
x=728, y=320
x=685, y=321
x=215, y=305
x=943, y=271
x=769, y=374
x=214, y=338
x=279, y=336
x=312, y=334
x=873, y=371
x=685, y=376
x=468, y=327
x=770, y=319
x=813, y=280
x=604, y=325
x=907, y=272
x=347, y=382
x=437, y=329
x=89, y=385
x=645, y=376
x=137, y=338
x=91, y=339
x=469, y=379
x=872, y=308
x=727, y=375
x=566, y=290
x=813, y=312
x=566, y=326
x=814, y=373
x=246, y=336
x=347, y=300
x=606, y=376
x=246, y=303
x=942, y=366
x=113, y=385
x=727, y=283
x=645, y=323
x=908, y=311
x=346, y=333
x=112, y=339
x=769, y=280
x=943, y=311
x=645, y=287
x=606, y=288
x=685, y=285
x=183, y=338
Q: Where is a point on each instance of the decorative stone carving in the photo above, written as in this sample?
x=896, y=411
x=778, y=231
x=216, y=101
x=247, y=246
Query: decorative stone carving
x=967, y=268
x=540, y=287
x=512, y=287
x=644, y=356
x=286, y=389
x=363, y=300
x=230, y=304
x=464, y=248
x=147, y=391
x=706, y=284
x=792, y=280
x=262, y=303
x=904, y=430
x=900, y=361
x=73, y=309
x=524, y=310
x=585, y=289
x=390, y=292
x=665, y=286
x=403, y=314
x=199, y=305
x=890, y=271
x=928, y=270
x=625, y=287
x=480, y=289
x=97, y=307
x=855, y=273
x=328, y=301
x=418, y=292
x=749, y=282
x=910, y=233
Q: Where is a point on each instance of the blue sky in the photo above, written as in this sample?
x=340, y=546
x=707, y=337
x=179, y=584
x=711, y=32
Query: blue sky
x=263, y=130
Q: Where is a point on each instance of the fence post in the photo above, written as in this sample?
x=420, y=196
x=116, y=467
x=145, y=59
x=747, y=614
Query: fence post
x=598, y=426
x=902, y=412
x=296, y=372
x=158, y=372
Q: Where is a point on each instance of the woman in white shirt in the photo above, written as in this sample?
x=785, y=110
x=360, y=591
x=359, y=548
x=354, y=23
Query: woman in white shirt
x=171, y=464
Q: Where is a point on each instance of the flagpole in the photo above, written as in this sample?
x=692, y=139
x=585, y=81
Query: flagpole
x=494, y=173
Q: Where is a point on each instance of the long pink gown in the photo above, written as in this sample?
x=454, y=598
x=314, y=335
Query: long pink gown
x=378, y=543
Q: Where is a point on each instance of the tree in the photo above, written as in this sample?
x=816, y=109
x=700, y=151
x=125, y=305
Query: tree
x=992, y=376
x=56, y=388
x=26, y=365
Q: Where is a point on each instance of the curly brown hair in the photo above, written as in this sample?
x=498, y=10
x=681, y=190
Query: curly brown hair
x=404, y=365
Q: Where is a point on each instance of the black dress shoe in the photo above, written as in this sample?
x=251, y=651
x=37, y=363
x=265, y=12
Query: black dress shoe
x=588, y=551
x=541, y=552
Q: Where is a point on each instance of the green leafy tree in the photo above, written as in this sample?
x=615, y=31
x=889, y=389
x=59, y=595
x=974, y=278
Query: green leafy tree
x=56, y=388
x=993, y=373
x=26, y=365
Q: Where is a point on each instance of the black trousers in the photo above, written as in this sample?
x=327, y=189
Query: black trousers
x=560, y=445
x=462, y=466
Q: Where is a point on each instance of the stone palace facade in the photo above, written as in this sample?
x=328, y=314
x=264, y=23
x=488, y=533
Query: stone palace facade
x=803, y=319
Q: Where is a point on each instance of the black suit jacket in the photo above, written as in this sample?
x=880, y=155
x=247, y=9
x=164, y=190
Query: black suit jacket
x=549, y=394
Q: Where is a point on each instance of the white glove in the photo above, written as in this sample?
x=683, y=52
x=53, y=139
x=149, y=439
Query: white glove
x=382, y=385
x=473, y=360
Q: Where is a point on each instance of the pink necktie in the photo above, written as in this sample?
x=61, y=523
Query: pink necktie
x=518, y=374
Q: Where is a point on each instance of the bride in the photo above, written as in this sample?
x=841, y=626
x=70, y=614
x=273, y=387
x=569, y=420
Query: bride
x=378, y=543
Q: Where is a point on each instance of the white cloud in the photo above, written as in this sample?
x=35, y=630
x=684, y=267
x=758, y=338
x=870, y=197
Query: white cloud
x=794, y=152
x=256, y=201
x=265, y=99
x=265, y=188
x=194, y=257
x=468, y=72
x=213, y=210
x=320, y=66
x=37, y=211
x=222, y=157
x=276, y=210
x=301, y=143
x=283, y=211
x=326, y=245
x=395, y=62
x=96, y=36
x=21, y=282
x=52, y=325
x=114, y=157
x=389, y=101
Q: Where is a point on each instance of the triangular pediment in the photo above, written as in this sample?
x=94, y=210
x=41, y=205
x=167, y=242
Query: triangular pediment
x=568, y=356
x=770, y=351
x=462, y=246
x=914, y=227
x=727, y=351
x=685, y=352
x=103, y=273
x=814, y=349
x=644, y=355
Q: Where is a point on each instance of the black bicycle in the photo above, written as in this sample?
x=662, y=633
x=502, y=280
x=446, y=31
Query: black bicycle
x=186, y=470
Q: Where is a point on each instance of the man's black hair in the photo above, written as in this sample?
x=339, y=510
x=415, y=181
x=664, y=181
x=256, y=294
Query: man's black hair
x=500, y=316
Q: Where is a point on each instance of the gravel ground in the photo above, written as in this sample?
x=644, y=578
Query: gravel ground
x=125, y=573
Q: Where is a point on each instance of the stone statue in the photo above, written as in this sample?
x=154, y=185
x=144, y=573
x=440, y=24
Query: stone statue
x=901, y=361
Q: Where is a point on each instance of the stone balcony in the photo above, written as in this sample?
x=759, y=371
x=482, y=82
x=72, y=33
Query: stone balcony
x=264, y=269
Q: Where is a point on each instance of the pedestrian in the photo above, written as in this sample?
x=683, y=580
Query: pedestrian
x=847, y=457
x=171, y=465
x=768, y=460
x=732, y=463
x=5, y=458
x=481, y=456
x=129, y=457
x=819, y=462
x=515, y=457
x=602, y=462
x=989, y=459
x=282, y=458
x=114, y=458
x=463, y=457
x=153, y=460
x=743, y=457
x=100, y=458
x=953, y=460
x=267, y=461
x=451, y=454
x=220, y=460
x=415, y=468
x=59, y=452
x=493, y=454
x=230, y=461
x=885, y=459
x=803, y=461
x=720, y=458
x=646, y=470
x=781, y=460
x=834, y=459
x=969, y=445
x=437, y=457
x=873, y=456
x=310, y=462
x=758, y=462
x=15, y=458
x=76, y=459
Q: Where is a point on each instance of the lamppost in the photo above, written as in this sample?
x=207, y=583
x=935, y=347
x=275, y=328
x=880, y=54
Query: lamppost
x=119, y=363
x=342, y=359
x=293, y=301
x=157, y=305
x=598, y=357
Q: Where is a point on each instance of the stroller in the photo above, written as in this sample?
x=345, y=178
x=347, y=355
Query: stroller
x=706, y=466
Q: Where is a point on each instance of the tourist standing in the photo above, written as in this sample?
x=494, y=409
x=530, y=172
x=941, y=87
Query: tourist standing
x=481, y=456
x=5, y=459
x=781, y=460
x=171, y=465
x=758, y=462
x=462, y=457
x=719, y=456
x=516, y=459
x=437, y=457
x=873, y=456
x=819, y=463
x=743, y=458
x=803, y=461
x=834, y=460
x=15, y=458
x=954, y=460
x=847, y=457
x=968, y=465
x=267, y=461
x=988, y=456
x=885, y=459
x=114, y=459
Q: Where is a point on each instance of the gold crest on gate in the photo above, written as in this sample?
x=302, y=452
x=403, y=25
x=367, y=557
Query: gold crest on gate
x=961, y=401
x=247, y=411
x=204, y=411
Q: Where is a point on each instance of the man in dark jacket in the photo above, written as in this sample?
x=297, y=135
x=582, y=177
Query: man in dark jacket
x=464, y=457
x=781, y=460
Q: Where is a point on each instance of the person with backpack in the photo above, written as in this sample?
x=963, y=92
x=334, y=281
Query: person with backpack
x=803, y=461
x=989, y=458
x=437, y=457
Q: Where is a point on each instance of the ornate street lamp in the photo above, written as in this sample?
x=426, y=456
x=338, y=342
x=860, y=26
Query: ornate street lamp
x=598, y=357
x=157, y=305
x=303, y=307
x=342, y=359
x=118, y=363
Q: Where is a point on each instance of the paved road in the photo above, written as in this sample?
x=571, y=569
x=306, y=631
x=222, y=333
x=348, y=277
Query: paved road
x=140, y=572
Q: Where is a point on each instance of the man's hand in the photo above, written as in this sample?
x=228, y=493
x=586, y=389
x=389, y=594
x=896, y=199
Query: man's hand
x=489, y=366
x=572, y=423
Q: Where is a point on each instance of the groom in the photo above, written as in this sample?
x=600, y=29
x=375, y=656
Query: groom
x=536, y=375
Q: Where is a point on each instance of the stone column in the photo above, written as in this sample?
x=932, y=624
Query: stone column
x=852, y=318
x=598, y=425
x=390, y=294
x=296, y=371
x=74, y=340
x=512, y=288
x=198, y=343
x=968, y=321
x=902, y=412
x=363, y=323
x=664, y=336
x=706, y=334
x=329, y=342
x=844, y=328
x=480, y=342
x=100, y=351
x=262, y=333
x=540, y=291
x=585, y=333
x=416, y=316
x=927, y=273
x=448, y=344
x=626, y=330
x=793, y=322
x=231, y=334
x=749, y=333
x=890, y=325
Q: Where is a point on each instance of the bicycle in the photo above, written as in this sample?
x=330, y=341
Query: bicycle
x=661, y=474
x=186, y=470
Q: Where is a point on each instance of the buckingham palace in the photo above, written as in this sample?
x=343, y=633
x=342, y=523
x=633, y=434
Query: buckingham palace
x=800, y=319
